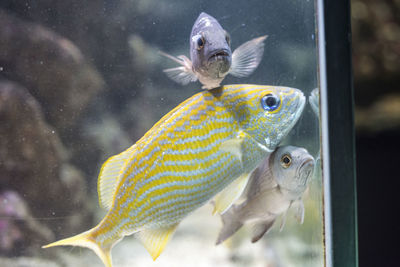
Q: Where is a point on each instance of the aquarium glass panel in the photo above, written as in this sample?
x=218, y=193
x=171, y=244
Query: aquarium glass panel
x=230, y=177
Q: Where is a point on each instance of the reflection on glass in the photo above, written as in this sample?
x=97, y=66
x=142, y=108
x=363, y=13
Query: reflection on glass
x=83, y=82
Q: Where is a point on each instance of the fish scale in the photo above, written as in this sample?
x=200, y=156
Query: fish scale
x=192, y=154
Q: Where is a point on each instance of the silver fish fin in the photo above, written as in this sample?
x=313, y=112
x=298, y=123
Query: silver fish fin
x=260, y=229
x=230, y=226
x=155, y=240
x=245, y=58
x=230, y=194
x=299, y=211
x=182, y=75
x=283, y=222
x=109, y=178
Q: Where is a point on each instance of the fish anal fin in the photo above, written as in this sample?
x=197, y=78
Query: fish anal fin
x=247, y=57
x=155, y=240
x=109, y=178
x=230, y=194
x=260, y=229
x=183, y=74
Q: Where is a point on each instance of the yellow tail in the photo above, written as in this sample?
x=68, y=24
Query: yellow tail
x=85, y=239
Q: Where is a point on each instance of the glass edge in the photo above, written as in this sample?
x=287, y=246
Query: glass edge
x=322, y=80
x=337, y=133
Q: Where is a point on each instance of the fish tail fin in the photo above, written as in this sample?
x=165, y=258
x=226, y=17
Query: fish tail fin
x=230, y=226
x=86, y=239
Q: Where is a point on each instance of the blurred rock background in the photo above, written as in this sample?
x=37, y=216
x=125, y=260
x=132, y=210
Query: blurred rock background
x=81, y=81
x=68, y=69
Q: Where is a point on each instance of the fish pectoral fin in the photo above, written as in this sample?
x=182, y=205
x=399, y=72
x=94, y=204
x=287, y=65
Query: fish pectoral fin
x=260, y=229
x=245, y=58
x=155, y=240
x=235, y=145
x=298, y=205
x=109, y=178
x=183, y=74
x=230, y=194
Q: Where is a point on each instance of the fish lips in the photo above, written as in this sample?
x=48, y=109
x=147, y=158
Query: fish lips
x=306, y=170
x=220, y=55
x=223, y=55
x=219, y=62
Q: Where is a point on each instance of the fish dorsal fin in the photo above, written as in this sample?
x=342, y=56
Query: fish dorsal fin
x=155, y=240
x=245, y=58
x=230, y=194
x=109, y=178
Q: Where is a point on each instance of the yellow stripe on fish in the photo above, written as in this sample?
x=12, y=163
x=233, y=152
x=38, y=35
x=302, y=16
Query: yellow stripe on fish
x=211, y=140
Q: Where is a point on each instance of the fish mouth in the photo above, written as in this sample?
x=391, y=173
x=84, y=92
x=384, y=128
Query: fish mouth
x=308, y=162
x=219, y=55
x=306, y=170
x=298, y=110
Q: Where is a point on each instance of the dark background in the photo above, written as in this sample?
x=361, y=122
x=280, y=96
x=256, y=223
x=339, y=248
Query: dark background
x=376, y=65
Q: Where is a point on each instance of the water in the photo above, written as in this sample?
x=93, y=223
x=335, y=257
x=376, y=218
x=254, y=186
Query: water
x=80, y=82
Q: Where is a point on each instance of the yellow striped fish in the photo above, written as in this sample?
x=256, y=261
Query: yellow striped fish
x=211, y=140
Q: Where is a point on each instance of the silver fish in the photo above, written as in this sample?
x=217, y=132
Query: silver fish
x=277, y=183
x=211, y=58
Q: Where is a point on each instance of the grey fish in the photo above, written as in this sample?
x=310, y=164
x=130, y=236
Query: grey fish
x=274, y=186
x=211, y=58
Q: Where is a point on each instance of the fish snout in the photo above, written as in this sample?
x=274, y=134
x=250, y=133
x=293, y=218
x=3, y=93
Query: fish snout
x=218, y=63
x=306, y=170
x=220, y=55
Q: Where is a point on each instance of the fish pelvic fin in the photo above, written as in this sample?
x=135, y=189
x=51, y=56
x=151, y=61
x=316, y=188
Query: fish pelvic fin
x=230, y=225
x=86, y=240
x=299, y=211
x=260, y=229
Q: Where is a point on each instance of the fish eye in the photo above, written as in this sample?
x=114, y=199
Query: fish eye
x=270, y=102
x=227, y=38
x=286, y=161
x=200, y=43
